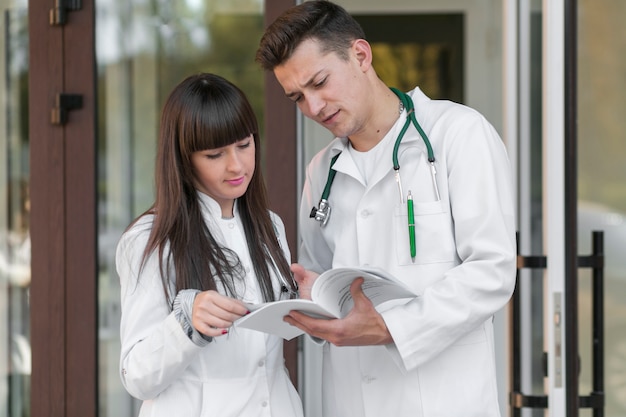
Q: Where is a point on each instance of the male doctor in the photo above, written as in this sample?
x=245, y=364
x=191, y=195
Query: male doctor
x=434, y=355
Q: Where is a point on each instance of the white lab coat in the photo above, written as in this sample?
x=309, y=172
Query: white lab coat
x=441, y=363
x=240, y=374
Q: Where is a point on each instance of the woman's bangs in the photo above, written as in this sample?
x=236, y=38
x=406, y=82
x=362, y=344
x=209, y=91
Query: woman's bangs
x=220, y=126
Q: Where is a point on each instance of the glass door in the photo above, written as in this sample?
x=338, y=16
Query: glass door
x=523, y=121
x=596, y=123
x=15, y=351
x=544, y=378
x=602, y=189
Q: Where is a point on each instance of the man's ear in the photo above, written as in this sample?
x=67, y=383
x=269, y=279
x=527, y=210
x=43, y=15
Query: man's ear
x=363, y=53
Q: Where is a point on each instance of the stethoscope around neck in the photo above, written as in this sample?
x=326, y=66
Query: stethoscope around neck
x=322, y=212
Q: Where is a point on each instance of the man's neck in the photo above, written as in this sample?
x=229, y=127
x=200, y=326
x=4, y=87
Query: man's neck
x=386, y=109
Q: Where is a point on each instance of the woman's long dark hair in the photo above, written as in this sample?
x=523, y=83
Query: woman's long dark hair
x=205, y=111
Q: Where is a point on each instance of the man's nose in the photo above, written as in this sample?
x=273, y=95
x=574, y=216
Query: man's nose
x=316, y=104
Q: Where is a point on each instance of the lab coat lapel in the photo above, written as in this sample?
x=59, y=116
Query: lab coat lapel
x=345, y=164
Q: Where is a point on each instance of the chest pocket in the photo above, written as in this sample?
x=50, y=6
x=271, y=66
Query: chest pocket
x=434, y=238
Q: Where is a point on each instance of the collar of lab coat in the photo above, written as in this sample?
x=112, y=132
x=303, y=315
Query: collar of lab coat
x=346, y=165
x=211, y=208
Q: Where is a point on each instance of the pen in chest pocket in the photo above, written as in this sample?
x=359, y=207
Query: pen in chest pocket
x=411, y=217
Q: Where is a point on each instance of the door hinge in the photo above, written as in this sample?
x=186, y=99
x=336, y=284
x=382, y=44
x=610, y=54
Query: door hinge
x=58, y=15
x=65, y=103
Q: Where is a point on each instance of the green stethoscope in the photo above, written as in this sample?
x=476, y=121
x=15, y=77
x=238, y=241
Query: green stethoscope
x=322, y=212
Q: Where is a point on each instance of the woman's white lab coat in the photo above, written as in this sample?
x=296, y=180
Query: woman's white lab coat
x=441, y=363
x=240, y=374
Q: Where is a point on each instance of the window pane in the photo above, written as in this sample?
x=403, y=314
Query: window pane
x=424, y=50
x=602, y=187
x=15, y=362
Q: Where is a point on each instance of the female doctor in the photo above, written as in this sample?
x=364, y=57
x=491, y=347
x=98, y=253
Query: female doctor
x=187, y=265
x=429, y=200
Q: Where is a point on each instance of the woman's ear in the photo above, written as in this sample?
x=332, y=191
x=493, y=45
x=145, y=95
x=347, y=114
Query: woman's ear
x=363, y=53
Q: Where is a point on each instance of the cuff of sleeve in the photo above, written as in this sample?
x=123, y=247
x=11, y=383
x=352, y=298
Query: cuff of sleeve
x=393, y=318
x=183, y=306
x=316, y=340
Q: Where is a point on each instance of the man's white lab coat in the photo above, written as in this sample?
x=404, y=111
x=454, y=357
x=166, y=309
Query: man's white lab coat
x=441, y=363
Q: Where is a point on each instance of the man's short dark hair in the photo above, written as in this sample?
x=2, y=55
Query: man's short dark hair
x=321, y=20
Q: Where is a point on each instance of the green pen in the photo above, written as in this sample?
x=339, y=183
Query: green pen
x=409, y=204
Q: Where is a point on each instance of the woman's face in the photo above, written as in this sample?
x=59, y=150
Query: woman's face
x=225, y=173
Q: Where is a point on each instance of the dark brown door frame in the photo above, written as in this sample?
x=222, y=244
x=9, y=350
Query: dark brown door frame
x=63, y=214
x=572, y=371
x=281, y=163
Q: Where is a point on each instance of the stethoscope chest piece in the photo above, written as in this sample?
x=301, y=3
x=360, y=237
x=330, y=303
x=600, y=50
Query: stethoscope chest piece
x=321, y=213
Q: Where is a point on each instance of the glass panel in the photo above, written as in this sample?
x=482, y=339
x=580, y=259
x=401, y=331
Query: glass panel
x=530, y=179
x=602, y=186
x=15, y=362
x=536, y=285
x=424, y=50
x=144, y=48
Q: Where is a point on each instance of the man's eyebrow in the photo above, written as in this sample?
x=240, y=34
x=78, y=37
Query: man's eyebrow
x=307, y=84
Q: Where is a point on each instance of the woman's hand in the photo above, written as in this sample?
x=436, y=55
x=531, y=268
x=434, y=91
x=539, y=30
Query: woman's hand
x=213, y=313
x=305, y=280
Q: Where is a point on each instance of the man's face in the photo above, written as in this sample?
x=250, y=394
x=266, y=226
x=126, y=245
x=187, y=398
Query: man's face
x=327, y=89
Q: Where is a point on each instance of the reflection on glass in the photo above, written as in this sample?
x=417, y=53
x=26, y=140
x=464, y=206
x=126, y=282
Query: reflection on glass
x=532, y=281
x=408, y=65
x=424, y=50
x=15, y=365
x=144, y=48
x=602, y=187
